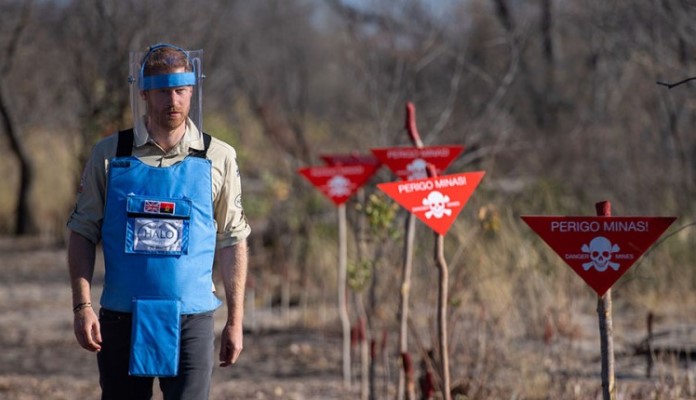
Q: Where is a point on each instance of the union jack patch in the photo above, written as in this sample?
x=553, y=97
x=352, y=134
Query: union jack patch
x=152, y=207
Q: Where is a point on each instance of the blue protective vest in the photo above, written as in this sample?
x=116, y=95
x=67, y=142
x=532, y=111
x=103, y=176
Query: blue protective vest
x=159, y=234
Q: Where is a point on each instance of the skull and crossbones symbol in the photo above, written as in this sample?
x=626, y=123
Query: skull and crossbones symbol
x=437, y=203
x=600, y=251
x=339, y=186
x=417, y=169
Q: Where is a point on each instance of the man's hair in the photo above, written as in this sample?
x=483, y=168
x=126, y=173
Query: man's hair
x=165, y=60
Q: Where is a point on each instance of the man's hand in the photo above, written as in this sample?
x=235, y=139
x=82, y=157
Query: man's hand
x=232, y=261
x=87, y=329
x=81, y=253
x=231, y=344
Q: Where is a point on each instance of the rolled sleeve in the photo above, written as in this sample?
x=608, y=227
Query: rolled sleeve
x=232, y=225
x=87, y=217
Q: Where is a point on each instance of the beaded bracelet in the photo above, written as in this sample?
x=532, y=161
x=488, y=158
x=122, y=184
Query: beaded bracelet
x=81, y=307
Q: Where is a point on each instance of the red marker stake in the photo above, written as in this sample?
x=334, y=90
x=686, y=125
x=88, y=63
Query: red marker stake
x=411, y=125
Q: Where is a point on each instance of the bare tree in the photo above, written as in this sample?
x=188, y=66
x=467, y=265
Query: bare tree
x=24, y=223
x=97, y=37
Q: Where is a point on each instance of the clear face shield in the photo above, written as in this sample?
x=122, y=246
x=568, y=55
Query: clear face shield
x=140, y=82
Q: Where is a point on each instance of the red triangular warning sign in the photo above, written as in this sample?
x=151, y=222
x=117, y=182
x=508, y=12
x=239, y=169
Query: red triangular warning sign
x=436, y=201
x=338, y=183
x=599, y=249
x=409, y=163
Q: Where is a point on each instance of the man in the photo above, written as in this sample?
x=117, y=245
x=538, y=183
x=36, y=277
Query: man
x=164, y=199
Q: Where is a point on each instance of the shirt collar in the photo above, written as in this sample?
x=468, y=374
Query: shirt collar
x=192, y=137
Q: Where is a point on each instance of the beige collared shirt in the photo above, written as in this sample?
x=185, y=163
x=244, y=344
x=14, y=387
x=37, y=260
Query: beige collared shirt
x=232, y=226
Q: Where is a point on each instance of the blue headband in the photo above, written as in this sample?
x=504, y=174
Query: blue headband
x=163, y=81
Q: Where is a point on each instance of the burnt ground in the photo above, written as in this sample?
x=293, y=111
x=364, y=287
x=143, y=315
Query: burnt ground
x=39, y=358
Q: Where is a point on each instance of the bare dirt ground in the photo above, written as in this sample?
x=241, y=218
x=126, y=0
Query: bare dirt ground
x=39, y=358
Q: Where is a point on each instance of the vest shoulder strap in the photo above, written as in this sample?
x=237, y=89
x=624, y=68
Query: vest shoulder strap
x=124, y=148
x=206, y=144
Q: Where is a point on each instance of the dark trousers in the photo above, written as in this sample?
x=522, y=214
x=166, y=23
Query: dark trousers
x=195, y=360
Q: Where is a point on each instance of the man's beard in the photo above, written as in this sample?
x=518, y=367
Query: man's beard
x=171, y=123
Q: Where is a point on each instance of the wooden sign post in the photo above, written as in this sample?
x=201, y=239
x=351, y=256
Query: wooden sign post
x=339, y=183
x=600, y=250
x=367, y=387
x=412, y=163
x=437, y=201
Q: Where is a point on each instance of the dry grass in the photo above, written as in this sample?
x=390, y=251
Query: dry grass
x=523, y=325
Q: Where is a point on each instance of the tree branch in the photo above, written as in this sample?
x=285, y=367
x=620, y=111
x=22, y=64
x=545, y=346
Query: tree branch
x=671, y=85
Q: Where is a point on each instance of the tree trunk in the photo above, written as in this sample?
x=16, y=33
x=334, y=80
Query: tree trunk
x=24, y=223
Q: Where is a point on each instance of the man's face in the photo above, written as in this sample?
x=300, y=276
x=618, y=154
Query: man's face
x=168, y=108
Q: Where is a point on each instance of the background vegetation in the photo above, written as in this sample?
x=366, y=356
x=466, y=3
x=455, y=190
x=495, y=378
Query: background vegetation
x=555, y=100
